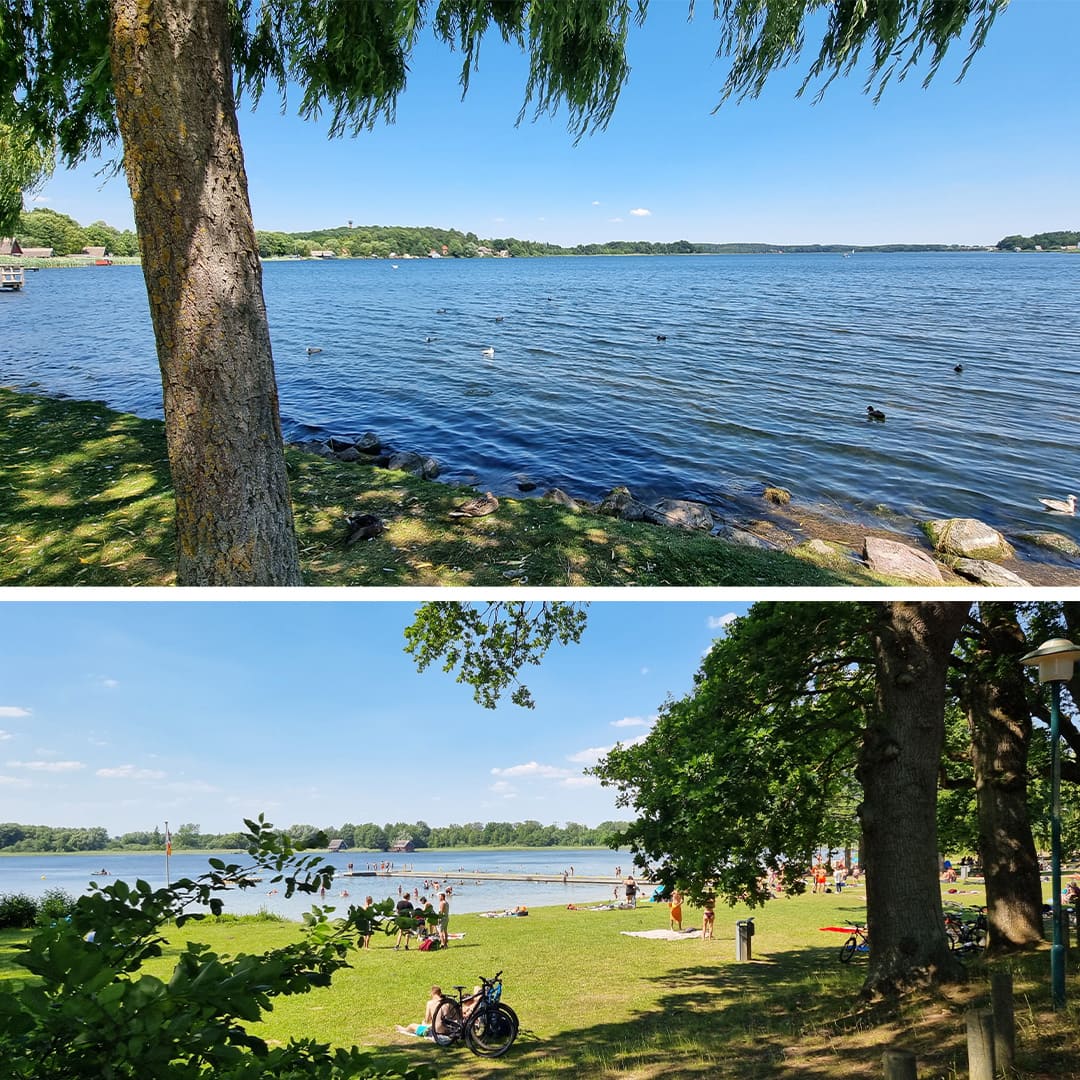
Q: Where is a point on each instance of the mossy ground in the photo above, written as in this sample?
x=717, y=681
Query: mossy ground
x=86, y=499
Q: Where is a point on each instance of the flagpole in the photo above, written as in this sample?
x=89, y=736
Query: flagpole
x=168, y=852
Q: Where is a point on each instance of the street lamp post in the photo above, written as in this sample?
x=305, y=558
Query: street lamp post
x=1055, y=660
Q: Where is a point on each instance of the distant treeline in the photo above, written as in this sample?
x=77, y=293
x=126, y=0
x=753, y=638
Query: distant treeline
x=1048, y=241
x=47, y=228
x=369, y=836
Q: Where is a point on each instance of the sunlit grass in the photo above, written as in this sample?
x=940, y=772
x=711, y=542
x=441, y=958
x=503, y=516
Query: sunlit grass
x=596, y=1003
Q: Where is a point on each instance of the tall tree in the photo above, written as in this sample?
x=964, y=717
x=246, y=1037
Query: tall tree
x=898, y=770
x=994, y=692
x=169, y=77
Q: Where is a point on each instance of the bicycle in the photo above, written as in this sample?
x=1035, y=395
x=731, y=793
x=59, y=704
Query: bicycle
x=966, y=934
x=487, y=1024
x=858, y=942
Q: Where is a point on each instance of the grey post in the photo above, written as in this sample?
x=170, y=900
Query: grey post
x=899, y=1065
x=1001, y=996
x=980, y=1041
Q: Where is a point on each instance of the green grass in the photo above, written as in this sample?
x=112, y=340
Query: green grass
x=86, y=499
x=595, y=1003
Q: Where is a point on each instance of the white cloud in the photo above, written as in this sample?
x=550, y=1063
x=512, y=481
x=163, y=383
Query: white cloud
x=47, y=766
x=130, y=772
x=4, y=735
x=644, y=671
x=641, y=212
x=634, y=721
x=590, y=756
x=532, y=768
x=13, y=711
x=596, y=202
x=580, y=781
x=615, y=220
x=719, y=622
x=13, y=781
x=110, y=684
x=506, y=790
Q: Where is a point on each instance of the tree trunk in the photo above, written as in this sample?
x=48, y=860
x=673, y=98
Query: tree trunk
x=1000, y=723
x=898, y=769
x=173, y=80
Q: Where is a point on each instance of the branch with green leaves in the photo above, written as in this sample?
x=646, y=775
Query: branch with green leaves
x=487, y=645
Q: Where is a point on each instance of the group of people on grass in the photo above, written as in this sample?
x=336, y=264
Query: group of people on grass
x=430, y=925
x=708, y=913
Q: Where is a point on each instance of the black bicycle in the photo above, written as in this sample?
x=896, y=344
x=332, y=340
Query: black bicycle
x=858, y=942
x=483, y=1020
x=966, y=928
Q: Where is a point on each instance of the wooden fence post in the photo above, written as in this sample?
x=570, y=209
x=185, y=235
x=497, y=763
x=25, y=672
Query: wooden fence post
x=1001, y=997
x=980, y=1041
x=899, y=1065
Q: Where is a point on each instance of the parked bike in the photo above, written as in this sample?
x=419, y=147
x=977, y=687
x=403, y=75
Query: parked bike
x=486, y=1023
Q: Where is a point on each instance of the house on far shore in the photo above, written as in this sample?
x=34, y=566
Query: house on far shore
x=323, y=253
x=10, y=246
x=338, y=845
x=403, y=845
x=38, y=253
x=95, y=252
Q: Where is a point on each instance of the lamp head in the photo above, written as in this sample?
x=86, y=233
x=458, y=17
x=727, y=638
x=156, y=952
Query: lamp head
x=1055, y=660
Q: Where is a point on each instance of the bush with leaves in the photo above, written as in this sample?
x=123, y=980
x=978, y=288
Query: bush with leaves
x=17, y=911
x=91, y=1015
x=53, y=905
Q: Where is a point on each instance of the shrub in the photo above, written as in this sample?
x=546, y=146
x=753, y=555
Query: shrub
x=17, y=911
x=54, y=905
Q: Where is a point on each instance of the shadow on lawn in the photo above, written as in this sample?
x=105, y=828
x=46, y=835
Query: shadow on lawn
x=90, y=505
x=792, y=1013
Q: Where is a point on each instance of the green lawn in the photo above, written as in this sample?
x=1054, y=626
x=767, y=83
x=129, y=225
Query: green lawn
x=595, y=1003
x=86, y=499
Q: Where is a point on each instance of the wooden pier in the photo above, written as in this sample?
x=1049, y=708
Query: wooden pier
x=12, y=278
x=467, y=877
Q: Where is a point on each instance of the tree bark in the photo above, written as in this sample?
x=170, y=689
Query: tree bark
x=898, y=769
x=1000, y=721
x=173, y=80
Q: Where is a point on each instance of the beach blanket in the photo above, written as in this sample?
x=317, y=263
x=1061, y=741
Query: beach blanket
x=665, y=935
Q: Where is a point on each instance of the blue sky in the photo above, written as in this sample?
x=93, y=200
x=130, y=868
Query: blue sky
x=127, y=714
x=956, y=163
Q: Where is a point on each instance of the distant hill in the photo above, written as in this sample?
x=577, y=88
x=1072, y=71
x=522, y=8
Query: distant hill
x=1047, y=241
x=48, y=228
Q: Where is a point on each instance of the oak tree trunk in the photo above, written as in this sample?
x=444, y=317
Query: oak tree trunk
x=173, y=80
x=1000, y=721
x=898, y=770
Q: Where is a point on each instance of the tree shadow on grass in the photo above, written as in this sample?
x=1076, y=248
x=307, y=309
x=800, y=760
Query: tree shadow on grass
x=788, y=1014
x=85, y=496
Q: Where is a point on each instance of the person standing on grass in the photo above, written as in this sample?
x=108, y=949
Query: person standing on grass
x=630, y=889
x=839, y=877
x=404, y=910
x=444, y=920
x=708, y=917
x=675, y=911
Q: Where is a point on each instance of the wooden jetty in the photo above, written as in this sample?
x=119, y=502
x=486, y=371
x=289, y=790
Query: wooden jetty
x=12, y=278
x=475, y=877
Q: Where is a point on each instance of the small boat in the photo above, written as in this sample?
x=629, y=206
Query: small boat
x=103, y=262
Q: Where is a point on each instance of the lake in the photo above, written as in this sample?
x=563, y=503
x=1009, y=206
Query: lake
x=764, y=377
x=35, y=874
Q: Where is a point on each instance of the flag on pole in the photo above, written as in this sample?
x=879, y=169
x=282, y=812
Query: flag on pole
x=168, y=841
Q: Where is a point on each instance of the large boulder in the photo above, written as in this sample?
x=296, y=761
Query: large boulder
x=987, y=573
x=618, y=502
x=680, y=514
x=822, y=553
x=892, y=559
x=968, y=538
x=557, y=495
x=1053, y=541
x=416, y=464
x=732, y=535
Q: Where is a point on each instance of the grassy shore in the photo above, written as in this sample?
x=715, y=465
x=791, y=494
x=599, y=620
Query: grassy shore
x=86, y=499
x=596, y=1003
